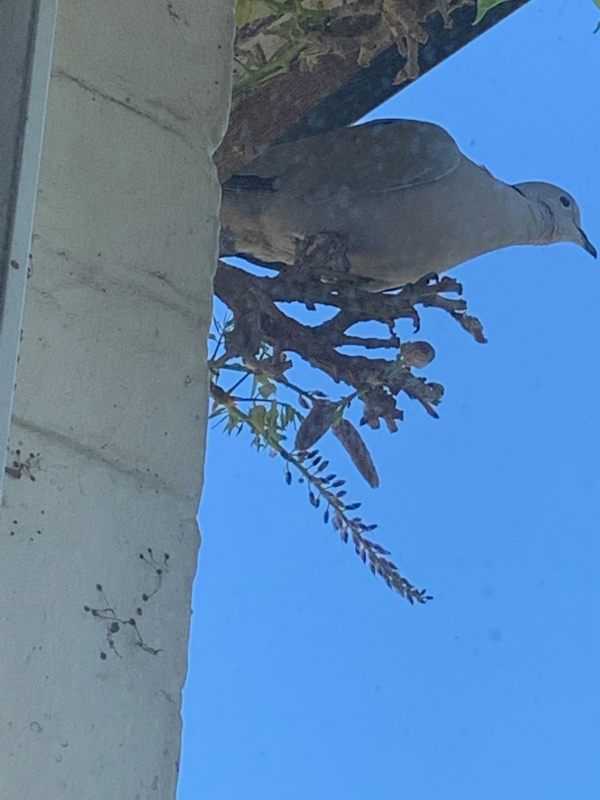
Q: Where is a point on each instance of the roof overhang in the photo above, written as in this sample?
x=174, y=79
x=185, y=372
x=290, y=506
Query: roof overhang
x=305, y=66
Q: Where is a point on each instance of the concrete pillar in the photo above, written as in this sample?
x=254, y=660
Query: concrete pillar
x=98, y=534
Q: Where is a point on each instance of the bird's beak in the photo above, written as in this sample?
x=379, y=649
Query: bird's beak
x=587, y=245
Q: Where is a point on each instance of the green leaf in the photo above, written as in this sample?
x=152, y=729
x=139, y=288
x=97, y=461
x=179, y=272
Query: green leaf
x=233, y=422
x=483, y=6
x=257, y=418
x=267, y=389
x=288, y=415
x=248, y=10
x=271, y=418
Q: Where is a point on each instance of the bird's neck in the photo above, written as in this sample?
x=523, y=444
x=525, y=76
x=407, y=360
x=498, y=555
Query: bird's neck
x=539, y=224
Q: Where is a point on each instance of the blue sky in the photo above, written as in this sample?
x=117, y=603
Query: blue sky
x=308, y=677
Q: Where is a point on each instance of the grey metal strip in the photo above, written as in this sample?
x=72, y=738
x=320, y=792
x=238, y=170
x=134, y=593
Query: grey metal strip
x=26, y=41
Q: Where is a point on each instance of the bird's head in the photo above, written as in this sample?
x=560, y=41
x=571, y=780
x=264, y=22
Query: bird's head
x=559, y=209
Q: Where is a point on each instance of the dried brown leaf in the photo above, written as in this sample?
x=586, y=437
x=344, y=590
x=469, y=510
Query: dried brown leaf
x=357, y=450
x=316, y=423
x=472, y=325
x=417, y=354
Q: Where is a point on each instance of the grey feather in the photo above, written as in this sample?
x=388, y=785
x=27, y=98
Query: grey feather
x=401, y=194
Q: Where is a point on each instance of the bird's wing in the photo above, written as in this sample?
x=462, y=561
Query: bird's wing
x=374, y=158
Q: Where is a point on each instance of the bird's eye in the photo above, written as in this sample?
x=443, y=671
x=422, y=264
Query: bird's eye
x=564, y=201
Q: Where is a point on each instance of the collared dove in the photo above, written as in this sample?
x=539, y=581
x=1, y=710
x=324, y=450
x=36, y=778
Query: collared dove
x=399, y=193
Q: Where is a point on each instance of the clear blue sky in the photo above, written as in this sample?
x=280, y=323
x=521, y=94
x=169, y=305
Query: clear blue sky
x=308, y=678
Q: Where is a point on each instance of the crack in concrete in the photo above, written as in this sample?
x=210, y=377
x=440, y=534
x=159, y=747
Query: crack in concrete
x=149, y=480
x=93, y=275
x=123, y=104
x=160, y=104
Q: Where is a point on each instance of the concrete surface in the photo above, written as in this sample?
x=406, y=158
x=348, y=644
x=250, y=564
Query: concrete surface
x=107, y=440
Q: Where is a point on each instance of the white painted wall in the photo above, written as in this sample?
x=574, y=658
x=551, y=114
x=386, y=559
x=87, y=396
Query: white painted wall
x=111, y=398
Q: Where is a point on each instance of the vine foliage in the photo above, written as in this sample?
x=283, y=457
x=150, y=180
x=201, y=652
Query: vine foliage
x=253, y=387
